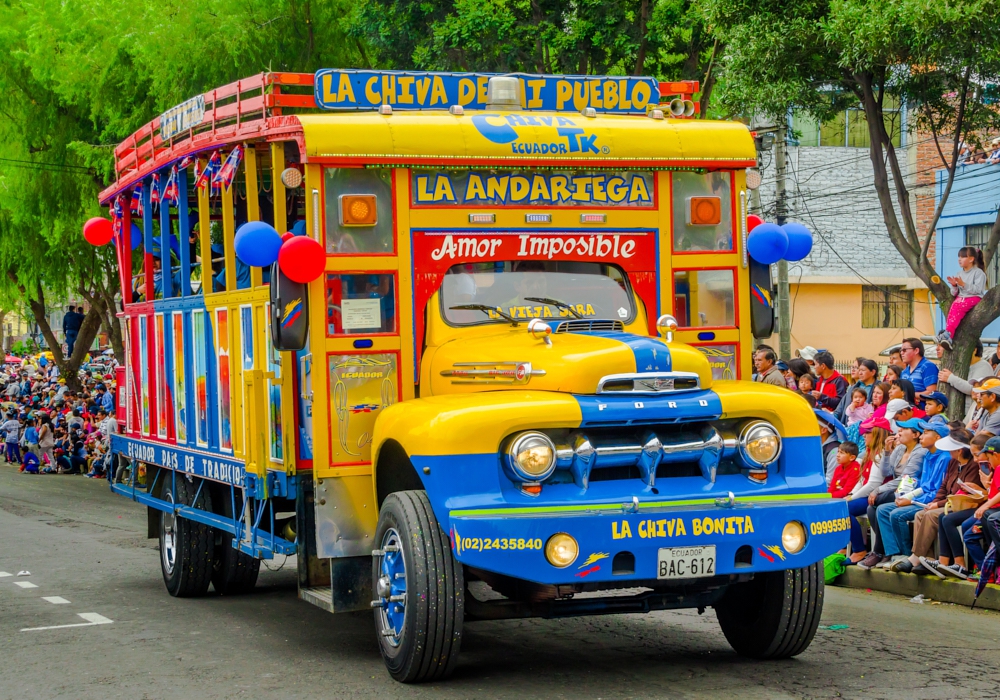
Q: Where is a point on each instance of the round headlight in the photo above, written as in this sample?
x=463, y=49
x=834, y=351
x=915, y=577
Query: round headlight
x=760, y=444
x=561, y=550
x=793, y=537
x=532, y=456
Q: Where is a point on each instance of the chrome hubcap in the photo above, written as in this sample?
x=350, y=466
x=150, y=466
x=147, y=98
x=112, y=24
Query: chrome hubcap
x=391, y=589
x=168, y=538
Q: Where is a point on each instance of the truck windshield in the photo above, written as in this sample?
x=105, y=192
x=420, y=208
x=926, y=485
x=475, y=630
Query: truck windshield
x=517, y=288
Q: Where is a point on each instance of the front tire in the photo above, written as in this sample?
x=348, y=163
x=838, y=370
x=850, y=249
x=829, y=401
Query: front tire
x=775, y=615
x=186, y=546
x=419, y=589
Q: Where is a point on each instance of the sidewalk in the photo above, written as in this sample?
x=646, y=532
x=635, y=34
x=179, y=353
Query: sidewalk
x=948, y=590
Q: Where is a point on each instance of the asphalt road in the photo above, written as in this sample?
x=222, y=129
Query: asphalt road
x=84, y=546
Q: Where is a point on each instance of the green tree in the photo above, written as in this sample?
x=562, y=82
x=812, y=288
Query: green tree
x=664, y=38
x=821, y=57
x=76, y=78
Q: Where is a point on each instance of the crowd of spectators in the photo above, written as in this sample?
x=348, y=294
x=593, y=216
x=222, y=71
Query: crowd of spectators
x=921, y=476
x=47, y=427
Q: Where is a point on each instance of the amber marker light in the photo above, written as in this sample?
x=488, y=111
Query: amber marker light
x=704, y=211
x=358, y=210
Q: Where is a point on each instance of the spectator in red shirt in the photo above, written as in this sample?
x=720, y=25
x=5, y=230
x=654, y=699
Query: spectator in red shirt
x=831, y=386
x=848, y=471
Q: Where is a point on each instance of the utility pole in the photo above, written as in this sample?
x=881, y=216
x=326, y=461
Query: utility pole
x=784, y=307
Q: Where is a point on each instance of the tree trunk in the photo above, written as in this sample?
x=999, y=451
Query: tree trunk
x=69, y=367
x=640, y=56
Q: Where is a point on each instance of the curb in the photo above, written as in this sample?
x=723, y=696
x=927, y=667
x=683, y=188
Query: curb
x=948, y=590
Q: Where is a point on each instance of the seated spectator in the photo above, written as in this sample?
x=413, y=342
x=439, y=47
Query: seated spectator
x=898, y=410
x=859, y=409
x=989, y=401
x=797, y=366
x=906, y=459
x=921, y=372
x=807, y=384
x=879, y=399
x=764, y=361
x=935, y=406
x=847, y=472
x=864, y=373
x=895, y=518
x=892, y=373
x=870, y=479
x=808, y=353
x=977, y=528
x=831, y=386
x=963, y=448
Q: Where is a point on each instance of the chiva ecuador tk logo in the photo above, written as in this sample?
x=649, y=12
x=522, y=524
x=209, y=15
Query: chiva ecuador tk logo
x=551, y=135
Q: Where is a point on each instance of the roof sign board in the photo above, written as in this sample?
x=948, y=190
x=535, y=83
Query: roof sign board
x=369, y=89
x=182, y=117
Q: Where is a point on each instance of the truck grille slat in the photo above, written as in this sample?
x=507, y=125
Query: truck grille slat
x=583, y=326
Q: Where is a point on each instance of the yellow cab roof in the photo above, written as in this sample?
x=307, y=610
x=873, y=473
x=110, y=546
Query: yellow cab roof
x=436, y=136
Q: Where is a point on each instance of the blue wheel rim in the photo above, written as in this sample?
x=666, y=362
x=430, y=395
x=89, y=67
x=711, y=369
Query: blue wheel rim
x=391, y=588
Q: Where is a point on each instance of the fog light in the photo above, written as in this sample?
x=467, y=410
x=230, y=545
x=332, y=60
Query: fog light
x=793, y=537
x=561, y=550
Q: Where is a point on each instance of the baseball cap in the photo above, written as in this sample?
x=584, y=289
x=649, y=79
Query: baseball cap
x=912, y=424
x=991, y=385
x=937, y=396
x=894, y=407
x=992, y=446
x=938, y=427
x=808, y=352
x=781, y=365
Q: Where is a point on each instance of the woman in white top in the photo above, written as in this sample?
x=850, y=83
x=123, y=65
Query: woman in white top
x=871, y=479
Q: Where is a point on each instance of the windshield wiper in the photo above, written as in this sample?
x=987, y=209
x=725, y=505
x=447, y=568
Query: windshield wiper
x=556, y=303
x=487, y=310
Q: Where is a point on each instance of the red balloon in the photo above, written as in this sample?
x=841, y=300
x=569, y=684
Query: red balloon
x=302, y=259
x=98, y=231
x=753, y=221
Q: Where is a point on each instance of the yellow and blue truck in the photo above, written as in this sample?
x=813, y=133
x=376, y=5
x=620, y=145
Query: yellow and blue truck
x=514, y=384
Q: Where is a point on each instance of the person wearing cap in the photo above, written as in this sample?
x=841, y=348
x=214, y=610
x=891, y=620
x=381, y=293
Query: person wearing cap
x=895, y=517
x=808, y=353
x=983, y=523
x=897, y=410
x=989, y=401
x=764, y=362
x=904, y=459
x=935, y=404
x=919, y=370
x=927, y=524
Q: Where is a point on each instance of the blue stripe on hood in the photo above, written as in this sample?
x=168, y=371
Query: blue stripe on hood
x=651, y=354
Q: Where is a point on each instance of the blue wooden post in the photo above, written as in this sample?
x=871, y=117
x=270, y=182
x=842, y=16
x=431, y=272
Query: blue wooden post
x=147, y=239
x=184, y=232
x=166, y=273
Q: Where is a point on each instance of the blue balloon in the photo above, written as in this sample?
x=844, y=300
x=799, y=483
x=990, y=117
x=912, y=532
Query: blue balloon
x=767, y=243
x=135, y=236
x=257, y=244
x=800, y=241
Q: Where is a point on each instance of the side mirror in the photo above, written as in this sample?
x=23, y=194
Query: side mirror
x=761, y=300
x=289, y=311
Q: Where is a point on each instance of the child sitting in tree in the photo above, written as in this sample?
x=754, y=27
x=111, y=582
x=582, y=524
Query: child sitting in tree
x=968, y=287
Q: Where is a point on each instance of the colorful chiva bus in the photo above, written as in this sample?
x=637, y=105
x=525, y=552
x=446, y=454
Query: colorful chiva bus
x=517, y=371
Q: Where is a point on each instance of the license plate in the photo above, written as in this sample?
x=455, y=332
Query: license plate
x=686, y=562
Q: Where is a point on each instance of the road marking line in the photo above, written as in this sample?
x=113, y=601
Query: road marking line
x=92, y=619
x=25, y=584
x=55, y=600
x=4, y=574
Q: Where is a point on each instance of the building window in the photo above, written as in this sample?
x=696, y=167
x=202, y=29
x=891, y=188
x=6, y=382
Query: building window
x=848, y=128
x=886, y=307
x=978, y=236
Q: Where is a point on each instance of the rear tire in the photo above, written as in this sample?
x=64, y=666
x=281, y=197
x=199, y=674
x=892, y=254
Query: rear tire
x=419, y=639
x=186, y=546
x=775, y=615
x=233, y=572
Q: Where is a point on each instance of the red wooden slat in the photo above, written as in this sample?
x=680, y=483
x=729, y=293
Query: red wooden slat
x=297, y=101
